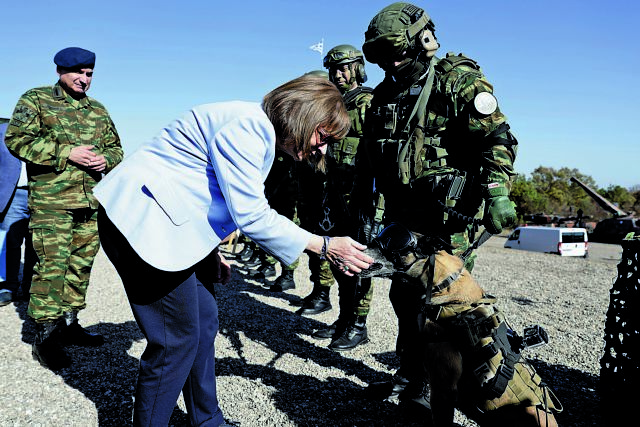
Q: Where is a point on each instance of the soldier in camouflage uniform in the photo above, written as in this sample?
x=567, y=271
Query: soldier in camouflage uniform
x=280, y=188
x=442, y=155
x=68, y=141
x=345, y=64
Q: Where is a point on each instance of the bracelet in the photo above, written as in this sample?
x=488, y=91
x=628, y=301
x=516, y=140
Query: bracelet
x=325, y=247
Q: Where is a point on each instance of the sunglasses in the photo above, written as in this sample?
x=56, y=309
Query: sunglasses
x=324, y=137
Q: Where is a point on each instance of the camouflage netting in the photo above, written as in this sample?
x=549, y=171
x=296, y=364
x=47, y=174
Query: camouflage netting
x=620, y=364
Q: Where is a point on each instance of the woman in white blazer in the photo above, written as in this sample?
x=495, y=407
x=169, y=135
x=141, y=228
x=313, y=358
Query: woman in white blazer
x=166, y=208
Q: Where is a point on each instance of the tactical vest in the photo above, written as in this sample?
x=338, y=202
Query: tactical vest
x=341, y=164
x=409, y=152
x=492, y=349
x=356, y=101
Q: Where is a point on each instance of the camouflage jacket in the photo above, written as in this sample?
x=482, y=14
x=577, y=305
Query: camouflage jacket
x=46, y=124
x=328, y=197
x=410, y=147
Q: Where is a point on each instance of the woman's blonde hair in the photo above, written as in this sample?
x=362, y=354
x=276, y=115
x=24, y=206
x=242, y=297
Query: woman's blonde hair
x=297, y=108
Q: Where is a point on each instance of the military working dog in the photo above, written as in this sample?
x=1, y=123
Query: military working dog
x=471, y=356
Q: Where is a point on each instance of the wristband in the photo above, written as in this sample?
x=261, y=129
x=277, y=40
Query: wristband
x=325, y=247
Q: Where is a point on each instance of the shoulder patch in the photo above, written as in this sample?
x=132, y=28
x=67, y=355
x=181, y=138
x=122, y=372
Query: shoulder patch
x=23, y=114
x=485, y=103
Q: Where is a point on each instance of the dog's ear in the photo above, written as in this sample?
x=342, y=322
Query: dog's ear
x=418, y=269
x=445, y=265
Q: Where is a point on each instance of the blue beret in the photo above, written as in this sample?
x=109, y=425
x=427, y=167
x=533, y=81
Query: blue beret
x=75, y=57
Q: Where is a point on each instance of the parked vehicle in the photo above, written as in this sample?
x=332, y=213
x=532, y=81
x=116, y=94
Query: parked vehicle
x=616, y=228
x=556, y=240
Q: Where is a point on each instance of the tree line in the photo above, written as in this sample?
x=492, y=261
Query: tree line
x=550, y=191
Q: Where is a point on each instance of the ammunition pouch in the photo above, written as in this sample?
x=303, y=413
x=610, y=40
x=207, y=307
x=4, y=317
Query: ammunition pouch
x=344, y=151
x=386, y=117
x=420, y=156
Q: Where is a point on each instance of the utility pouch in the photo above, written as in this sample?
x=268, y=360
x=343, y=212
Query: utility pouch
x=387, y=116
x=345, y=150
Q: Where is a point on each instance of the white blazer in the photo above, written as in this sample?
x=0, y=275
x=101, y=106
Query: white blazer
x=201, y=178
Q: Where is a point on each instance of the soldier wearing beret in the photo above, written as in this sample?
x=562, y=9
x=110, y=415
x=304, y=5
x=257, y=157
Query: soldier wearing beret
x=68, y=142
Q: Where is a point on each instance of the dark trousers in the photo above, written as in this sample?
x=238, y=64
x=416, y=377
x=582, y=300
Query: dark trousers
x=178, y=315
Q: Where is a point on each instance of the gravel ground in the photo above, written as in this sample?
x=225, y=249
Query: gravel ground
x=272, y=373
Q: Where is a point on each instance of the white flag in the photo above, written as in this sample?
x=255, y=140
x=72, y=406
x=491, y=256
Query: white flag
x=318, y=47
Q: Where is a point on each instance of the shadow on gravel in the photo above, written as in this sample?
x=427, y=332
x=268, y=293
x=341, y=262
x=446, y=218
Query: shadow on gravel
x=279, y=330
x=576, y=390
x=307, y=400
x=106, y=375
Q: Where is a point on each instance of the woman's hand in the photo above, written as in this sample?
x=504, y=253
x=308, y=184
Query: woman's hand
x=223, y=270
x=346, y=254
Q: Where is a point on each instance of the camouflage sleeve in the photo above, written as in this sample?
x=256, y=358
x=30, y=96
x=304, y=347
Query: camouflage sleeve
x=29, y=140
x=498, y=147
x=111, y=146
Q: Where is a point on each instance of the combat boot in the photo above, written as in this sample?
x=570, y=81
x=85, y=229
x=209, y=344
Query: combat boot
x=386, y=390
x=74, y=334
x=327, y=332
x=354, y=335
x=317, y=301
x=265, y=270
x=284, y=282
x=245, y=253
x=414, y=399
x=47, y=349
x=253, y=262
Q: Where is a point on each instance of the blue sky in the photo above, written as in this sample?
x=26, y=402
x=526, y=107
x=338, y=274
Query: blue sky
x=563, y=70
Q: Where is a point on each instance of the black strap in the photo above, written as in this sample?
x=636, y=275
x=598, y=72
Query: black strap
x=507, y=367
x=476, y=243
x=493, y=136
x=352, y=94
x=448, y=281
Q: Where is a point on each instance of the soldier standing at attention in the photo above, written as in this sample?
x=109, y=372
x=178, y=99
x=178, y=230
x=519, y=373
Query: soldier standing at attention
x=68, y=142
x=442, y=155
x=345, y=64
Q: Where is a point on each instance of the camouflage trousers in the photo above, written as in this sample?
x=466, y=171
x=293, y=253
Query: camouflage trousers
x=353, y=294
x=266, y=259
x=66, y=242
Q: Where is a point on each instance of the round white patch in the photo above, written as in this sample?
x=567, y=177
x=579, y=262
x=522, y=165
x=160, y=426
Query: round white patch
x=485, y=103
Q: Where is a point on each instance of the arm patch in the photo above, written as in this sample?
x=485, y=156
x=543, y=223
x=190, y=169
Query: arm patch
x=23, y=115
x=485, y=103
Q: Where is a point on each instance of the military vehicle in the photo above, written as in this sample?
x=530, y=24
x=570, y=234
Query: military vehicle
x=614, y=229
x=552, y=220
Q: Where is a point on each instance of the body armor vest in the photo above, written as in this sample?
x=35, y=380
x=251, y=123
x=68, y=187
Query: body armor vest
x=414, y=129
x=356, y=101
x=341, y=164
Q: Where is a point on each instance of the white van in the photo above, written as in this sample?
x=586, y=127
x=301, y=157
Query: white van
x=556, y=240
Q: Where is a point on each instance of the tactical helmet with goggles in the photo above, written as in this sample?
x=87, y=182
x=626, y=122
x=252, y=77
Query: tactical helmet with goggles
x=342, y=54
x=393, y=33
x=346, y=54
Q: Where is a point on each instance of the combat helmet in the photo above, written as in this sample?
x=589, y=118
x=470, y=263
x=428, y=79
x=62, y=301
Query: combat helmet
x=346, y=54
x=395, y=31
